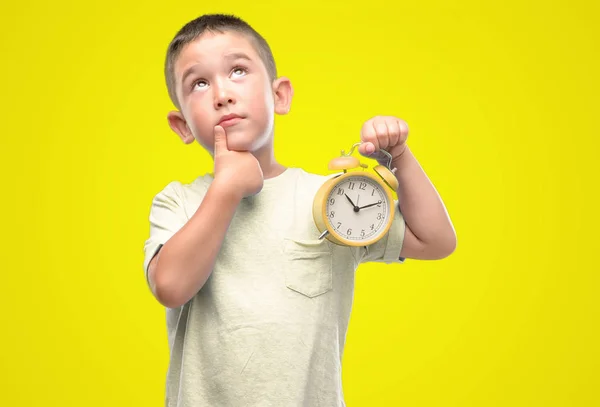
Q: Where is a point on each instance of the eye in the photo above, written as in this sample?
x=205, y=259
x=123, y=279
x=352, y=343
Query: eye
x=200, y=83
x=239, y=71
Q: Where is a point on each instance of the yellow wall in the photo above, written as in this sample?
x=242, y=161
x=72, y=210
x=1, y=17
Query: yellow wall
x=502, y=104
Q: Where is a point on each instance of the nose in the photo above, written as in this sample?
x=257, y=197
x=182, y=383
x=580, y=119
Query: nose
x=223, y=97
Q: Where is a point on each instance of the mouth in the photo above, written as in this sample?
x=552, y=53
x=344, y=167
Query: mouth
x=229, y=120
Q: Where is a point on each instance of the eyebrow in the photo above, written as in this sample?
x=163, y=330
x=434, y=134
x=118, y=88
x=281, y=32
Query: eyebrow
x=230, y=56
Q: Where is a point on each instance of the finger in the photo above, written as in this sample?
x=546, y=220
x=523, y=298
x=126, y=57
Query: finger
x=220, y=140
x=366, y=148
x=368, y=136
x=381, y=132
x=403, y=130
x=394, y=132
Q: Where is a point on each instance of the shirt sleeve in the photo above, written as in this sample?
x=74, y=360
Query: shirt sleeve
x=387, y=249
x=167, y=216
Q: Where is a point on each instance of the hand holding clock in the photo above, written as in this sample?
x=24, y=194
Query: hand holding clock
x=383, y=133
x=381, y=137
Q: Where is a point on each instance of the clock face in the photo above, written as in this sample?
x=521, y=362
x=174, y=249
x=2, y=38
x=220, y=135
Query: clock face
x=358, y=209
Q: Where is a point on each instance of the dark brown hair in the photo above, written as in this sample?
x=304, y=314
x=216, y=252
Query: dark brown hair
x=215, y=23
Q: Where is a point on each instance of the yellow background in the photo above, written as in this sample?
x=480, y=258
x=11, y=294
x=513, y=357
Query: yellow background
x=502, y=102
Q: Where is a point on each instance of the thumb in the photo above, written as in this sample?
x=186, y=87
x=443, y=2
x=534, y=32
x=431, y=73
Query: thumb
x=366, y=149
x=220, y=139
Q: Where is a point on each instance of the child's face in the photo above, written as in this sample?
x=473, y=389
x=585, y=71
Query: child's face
x=219, y=75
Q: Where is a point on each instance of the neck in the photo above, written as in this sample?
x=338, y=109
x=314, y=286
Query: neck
x=269, y=165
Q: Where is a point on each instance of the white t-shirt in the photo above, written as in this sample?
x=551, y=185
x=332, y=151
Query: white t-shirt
x=269, y=326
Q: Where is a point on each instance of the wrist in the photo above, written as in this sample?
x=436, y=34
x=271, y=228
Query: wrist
x=399, y=151
x=226, y=190
x=397, y=155
x=400, y=159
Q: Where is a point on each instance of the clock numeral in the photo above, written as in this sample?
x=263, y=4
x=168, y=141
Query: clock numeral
x=332, y=214
x=339, y=224
x=372, y=226
x=340, y=191
x=373, y=193
x=351, y=185
x=362, y=233
x=349, y=232
x=363, y=186
x=331, y=201
x=379, y=216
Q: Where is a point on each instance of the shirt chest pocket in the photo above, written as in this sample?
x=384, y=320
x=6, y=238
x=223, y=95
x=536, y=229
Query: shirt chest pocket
x=308, y=266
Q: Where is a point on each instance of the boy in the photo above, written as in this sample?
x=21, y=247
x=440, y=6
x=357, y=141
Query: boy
x=258, y=306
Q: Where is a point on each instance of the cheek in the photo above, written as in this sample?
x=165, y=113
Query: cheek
x=200, y=122
x=261, y=104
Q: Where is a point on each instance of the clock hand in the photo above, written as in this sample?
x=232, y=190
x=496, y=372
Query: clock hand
x=356, y=208
x=373, y=204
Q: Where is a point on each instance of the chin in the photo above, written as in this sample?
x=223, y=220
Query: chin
x=240, y=143
x=244, y=142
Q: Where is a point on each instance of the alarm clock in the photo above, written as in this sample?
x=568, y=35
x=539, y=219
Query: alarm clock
x=355, y=208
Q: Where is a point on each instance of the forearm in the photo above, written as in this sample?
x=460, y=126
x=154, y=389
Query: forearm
x=186, y=260
x=422, y=207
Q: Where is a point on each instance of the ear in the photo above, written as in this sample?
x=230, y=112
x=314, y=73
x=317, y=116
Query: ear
x=178, y=125
x=283, y=93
